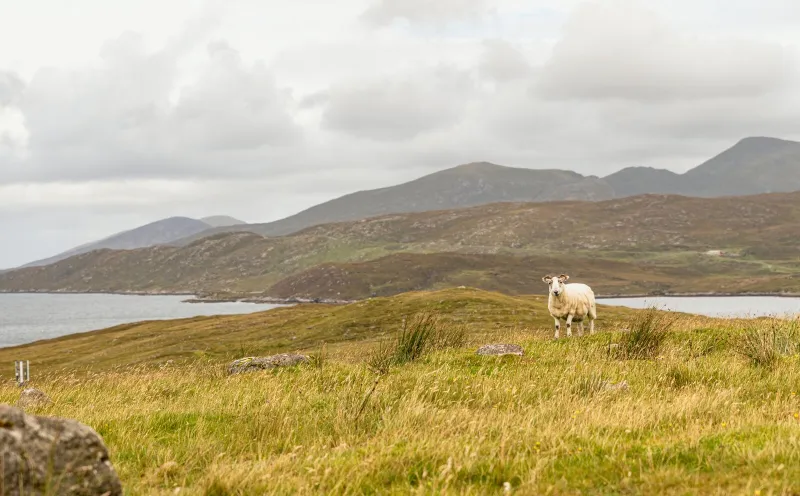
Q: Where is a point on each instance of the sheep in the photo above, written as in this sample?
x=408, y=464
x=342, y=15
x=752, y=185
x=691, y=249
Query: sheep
x=570, y=302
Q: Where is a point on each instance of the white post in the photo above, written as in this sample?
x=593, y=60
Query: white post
x=28, y=370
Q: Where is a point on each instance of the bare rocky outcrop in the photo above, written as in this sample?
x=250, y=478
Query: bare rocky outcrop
x=501, y=350
x=52, y=456
x=32, y=397
x=251, y=364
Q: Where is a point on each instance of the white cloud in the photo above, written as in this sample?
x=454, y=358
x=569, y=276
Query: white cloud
x=621, y=49
x=383, y=12
x=400, y=107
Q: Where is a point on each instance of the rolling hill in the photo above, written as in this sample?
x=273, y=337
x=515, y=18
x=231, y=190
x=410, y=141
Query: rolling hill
x=155, y=233
x=468, y=185
x=650, y=243
x=752, y=166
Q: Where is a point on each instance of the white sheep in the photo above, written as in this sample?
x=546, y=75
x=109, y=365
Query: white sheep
x=570, y=302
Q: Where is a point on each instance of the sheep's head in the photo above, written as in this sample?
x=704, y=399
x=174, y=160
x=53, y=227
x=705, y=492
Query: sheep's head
x=556, y=284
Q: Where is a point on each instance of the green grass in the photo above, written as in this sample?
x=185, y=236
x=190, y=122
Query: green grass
x=698, y=416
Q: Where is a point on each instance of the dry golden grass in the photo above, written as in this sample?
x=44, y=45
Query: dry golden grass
x=696, y=418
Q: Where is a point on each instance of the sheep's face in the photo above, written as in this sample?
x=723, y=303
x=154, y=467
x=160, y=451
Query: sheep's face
x=556, y=284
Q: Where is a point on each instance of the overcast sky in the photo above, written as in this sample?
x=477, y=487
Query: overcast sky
x=114, y=114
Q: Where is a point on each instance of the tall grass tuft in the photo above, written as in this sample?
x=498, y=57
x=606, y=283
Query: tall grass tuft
x=763, y=342
x=648, y=330
x=423, y=334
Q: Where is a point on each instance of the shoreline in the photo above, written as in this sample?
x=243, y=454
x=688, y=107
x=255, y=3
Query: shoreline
x=699, y=295
x=261, y=299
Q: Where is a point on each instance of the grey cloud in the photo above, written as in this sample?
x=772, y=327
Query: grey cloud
x=501, y=61
x=118, y=119
x=383, y=12
x=233, y=107
x=11, y=88
x=400, y=108
x=619, y=49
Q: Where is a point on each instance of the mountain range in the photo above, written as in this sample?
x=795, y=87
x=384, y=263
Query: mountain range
x=640, y=244
x=752, y=166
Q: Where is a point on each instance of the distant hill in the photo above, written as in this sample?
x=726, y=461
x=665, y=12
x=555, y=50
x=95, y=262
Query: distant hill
x=752, y=166
x=643, y=243
x=155, y=233
x=468, y=185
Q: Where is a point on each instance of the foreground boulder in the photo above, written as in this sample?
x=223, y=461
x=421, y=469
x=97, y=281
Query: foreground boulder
x=32, y=397
x=500, y=350
x=251, y=364
x=52, y=456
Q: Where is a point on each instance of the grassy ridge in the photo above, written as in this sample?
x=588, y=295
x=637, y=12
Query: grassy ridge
x=698, y=416
x=300, y=328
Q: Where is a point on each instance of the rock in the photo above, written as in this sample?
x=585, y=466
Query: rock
x=32, y=397
x=620, y=386
x=46, y=455
x=500, y=350
x=251, y=364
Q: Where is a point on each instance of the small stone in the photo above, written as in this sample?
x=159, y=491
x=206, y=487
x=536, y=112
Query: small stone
x=500, y=350
x=621, y=386
x=251, y=364
x=32, y=397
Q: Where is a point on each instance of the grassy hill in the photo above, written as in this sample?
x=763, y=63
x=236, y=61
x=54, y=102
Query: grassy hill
x=631, y=245
x=302, y=327
x=703, y=410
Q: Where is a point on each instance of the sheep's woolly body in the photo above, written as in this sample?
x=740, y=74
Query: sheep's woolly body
x=577, y=299
x=570, y=302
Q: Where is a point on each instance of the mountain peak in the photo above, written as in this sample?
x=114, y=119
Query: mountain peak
x=222, y=221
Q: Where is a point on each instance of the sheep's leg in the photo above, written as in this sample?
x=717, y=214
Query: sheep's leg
x=569, y=325
x=580, y=328
x=591, y=326
x=558, y=326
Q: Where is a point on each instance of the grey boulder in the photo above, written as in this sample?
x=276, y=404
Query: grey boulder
x=52, y=456
x=500, y=350
x=251, y=364
x=32, y=397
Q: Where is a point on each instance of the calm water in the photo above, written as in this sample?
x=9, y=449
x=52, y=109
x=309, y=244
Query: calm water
x=712, y=306
x=30, y=317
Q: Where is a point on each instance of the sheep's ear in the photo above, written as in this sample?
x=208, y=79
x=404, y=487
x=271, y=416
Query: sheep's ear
x=563, y=277
x=547, y=279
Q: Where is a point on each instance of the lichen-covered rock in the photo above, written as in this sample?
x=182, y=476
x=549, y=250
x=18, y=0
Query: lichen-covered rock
x=251, y=364
x=45, y=455
x=500, y=350
x=32, y=397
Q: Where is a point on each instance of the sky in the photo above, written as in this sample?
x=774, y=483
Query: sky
x=115, y=114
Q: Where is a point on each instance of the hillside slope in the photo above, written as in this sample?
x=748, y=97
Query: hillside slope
x=752, y=166
x=763, y=227
x=160, y=232
x=463, y=186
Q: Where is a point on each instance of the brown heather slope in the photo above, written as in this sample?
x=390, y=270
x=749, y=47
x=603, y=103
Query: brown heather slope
x=763, y=227
x=514, y=275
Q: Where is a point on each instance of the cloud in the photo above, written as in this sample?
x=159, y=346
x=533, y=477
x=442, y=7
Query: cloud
x=11, y=88
x=502, y=62
x=399, y=107
x=621, y=49
x=384, y=12
x=128, y=116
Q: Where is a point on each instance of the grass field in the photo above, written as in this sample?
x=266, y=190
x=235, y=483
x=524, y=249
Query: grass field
x=711, y=406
